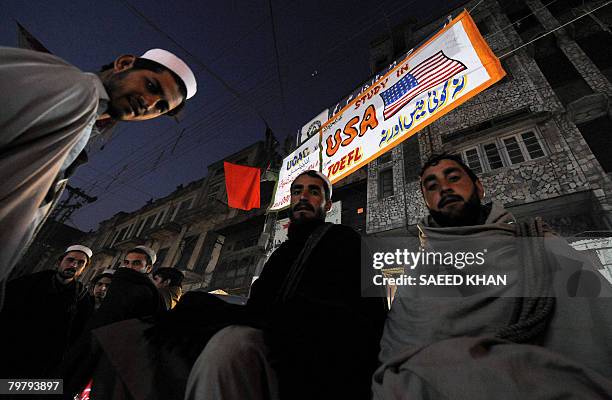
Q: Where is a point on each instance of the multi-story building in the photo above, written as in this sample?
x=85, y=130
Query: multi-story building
x=539, y=138
x=194, y=230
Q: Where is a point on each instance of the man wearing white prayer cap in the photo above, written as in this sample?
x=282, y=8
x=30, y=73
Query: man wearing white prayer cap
x=132, y=293
x=43, y=314
x=56, y=109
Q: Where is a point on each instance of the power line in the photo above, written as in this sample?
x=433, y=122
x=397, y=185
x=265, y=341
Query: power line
x=136, y=177
x=201, y=63
x=554, y=30
x=224, y=110
x=274, y=39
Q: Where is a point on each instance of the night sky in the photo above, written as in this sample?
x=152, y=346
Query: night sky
x=322, y=52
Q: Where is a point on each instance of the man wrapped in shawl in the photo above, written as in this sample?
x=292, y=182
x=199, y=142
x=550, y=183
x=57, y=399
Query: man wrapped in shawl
x=545, y=333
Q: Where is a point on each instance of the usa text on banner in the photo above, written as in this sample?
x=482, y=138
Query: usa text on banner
x=305, y=157
x=450, y=68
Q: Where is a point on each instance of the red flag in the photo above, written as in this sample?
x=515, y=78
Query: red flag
x=242, y=185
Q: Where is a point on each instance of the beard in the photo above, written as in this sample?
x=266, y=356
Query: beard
x=467, y=215
x=299, y=218
x=116, y=95
x=67, y=273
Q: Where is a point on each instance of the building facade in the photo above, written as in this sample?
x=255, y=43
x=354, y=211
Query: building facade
x=194, y=230
x=538, y=139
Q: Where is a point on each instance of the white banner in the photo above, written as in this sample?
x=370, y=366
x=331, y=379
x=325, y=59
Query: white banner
x=453, y=66
x=305, y=157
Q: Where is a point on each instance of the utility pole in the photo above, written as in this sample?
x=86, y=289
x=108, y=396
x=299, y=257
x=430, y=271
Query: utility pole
x=45, y=242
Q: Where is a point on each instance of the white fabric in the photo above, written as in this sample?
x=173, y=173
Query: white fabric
x=176, y=65
x=81, y=248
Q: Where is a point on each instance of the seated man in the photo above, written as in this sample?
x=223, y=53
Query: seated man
x=168, y=281
x=43, y=314
x=496, y=341
x=306, y=331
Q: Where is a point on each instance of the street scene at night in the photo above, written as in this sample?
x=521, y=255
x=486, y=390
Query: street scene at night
x=387, y=200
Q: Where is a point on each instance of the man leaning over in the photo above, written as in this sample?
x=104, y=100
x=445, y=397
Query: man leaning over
x=49, y=109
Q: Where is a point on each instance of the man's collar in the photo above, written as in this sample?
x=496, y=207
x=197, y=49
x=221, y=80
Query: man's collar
x=103, y=97
x=300, y=231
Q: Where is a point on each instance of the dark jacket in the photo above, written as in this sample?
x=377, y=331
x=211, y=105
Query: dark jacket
x=40, y=319
x=322, y=332
x=131, y=294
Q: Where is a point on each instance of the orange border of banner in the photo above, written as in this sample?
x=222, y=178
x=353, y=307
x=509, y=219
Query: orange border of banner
x=488, y=59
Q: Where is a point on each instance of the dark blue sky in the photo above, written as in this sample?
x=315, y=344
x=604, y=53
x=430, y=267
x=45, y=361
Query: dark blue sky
x=234, y=39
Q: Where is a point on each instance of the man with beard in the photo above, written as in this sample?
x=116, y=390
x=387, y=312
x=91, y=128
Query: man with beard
x=43, y=314
x=49, y=113
x=545, y=325
x=319, y=333
x=307, y=332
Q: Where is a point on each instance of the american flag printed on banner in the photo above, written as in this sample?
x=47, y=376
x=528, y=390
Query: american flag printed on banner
x=429, y=73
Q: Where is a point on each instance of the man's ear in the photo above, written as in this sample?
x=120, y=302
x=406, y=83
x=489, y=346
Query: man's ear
x=328, y=205
x=479, y=189
x=123, y=63
x=149, y=268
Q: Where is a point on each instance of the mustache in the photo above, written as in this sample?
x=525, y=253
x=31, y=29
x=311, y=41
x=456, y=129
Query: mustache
x=449, y=198
x=303, y=206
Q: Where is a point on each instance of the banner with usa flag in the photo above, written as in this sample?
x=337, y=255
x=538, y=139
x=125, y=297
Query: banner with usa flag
x=453, y=66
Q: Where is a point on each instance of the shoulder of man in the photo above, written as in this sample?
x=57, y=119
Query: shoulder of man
x=128, y=274
x=50, y=71
x=344, y=233
x=35, y=278
x=12, y=54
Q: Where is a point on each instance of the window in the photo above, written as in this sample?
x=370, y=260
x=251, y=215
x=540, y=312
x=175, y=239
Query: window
x=122, y=233
x=162, y=216
x=385, y=183
x=114, y=239
x=385, y=158
x=188, y=246
x=493, y=157
x=182, y=207
x=513, y=150
x=472, y=159
x=213, y=192
x=147, y=223
x=131, y=231
x=532, y=145
x=140, y=227
x=503, y=152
